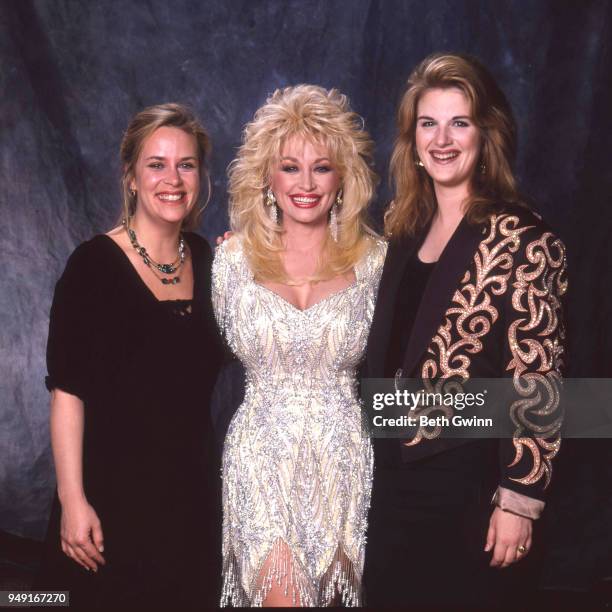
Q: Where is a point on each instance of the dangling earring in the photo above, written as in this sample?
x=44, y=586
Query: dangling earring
x=270, y=203
x=419, y=163
x=133, y=193
x=483, y=168
x=333, y=216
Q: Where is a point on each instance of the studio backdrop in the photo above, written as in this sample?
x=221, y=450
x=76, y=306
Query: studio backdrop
x=72, y=74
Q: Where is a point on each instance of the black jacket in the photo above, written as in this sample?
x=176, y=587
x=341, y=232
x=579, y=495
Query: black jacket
x=492, y=308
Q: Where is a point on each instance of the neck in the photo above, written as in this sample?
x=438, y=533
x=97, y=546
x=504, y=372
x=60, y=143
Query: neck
x=451, y=202
x=303, y=238
x=159, y=238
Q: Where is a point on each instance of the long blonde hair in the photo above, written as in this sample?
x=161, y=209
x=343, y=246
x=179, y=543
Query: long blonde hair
x=140, y=128
x=493, y=183
x=324, y=117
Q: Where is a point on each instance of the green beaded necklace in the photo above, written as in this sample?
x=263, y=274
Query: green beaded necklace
x=167, y=269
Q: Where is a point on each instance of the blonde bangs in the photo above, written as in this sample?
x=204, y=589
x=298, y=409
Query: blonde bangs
x=322, y=117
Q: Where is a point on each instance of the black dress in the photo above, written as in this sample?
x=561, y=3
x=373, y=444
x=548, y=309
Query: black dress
x=144, y=370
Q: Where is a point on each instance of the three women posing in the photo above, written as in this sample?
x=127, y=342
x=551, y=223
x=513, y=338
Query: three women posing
x=471, y=287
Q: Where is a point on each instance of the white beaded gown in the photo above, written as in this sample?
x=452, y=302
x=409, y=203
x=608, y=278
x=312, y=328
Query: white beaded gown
x=297, y=460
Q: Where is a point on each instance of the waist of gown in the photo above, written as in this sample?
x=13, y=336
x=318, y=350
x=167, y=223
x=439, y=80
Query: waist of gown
x=337, y=387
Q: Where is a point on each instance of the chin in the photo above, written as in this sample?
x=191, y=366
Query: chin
x=174, y=218
x=305, y=216
x=450, y=181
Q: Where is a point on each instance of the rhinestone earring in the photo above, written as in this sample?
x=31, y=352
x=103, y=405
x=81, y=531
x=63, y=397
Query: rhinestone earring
x=339, y=196
x=419, y=163
x=270, y=203
x=333, y=216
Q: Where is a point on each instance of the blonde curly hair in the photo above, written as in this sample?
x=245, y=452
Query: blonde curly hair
x=322, y=117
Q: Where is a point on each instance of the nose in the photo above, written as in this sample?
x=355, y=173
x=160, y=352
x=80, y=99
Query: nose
x=307, y=181
x=173, y=177
x=442, y=136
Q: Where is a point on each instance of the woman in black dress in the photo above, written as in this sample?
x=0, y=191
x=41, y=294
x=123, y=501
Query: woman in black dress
x=133, y=354
x=472, y=288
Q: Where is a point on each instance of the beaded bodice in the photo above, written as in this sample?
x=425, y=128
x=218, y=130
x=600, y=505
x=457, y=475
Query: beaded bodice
x=282, y=347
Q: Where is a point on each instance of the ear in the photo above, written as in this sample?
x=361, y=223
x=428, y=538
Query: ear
x=129, y=177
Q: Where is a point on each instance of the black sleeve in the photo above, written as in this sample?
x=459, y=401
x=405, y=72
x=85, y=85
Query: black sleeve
x=70, y=326
x=534, y=357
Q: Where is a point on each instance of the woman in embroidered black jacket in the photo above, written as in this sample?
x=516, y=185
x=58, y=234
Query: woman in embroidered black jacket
x=471, y=288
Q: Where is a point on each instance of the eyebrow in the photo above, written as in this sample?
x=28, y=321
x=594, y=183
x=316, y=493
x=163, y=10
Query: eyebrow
x=161, y=157
x=452, y=119
x=316, y=161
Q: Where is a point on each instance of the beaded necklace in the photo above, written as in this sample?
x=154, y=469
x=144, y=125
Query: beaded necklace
x=169, y=268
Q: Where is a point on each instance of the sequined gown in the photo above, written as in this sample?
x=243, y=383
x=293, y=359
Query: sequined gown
x=297, y=463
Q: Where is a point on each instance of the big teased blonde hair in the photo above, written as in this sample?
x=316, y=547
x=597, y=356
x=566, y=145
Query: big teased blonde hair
x=323, y=117
x=141, y=126
x=493, y=183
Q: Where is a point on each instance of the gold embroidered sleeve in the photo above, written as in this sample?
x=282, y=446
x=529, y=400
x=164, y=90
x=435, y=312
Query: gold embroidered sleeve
x=535, y=355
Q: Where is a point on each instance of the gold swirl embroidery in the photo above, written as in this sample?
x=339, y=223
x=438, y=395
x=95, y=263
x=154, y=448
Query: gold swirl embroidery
x=472, y=312
x=538, y=358
x=472, y=309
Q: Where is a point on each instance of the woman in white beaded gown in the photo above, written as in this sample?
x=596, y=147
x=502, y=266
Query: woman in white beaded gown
x=294, y=291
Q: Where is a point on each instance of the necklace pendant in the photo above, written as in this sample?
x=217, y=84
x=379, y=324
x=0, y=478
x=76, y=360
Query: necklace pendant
x=171, y=281
x=166, y=268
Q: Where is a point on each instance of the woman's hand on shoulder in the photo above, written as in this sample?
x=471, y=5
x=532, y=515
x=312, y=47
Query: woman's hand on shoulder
x=226, y=236
x=81, y=534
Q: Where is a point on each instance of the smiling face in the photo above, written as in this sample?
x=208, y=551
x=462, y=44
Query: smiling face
x=447, y=141
x=305, y=182
x=166, y=175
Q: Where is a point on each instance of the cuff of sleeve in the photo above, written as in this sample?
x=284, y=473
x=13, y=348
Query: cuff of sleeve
x=517, y=503
x=51, y=383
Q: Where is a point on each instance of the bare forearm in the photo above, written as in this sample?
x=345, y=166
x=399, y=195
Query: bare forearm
x=67, y=422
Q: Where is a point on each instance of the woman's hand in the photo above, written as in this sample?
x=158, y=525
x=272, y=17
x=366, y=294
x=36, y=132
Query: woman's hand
x=507, y=533
x=225, y=237
x=81, y=534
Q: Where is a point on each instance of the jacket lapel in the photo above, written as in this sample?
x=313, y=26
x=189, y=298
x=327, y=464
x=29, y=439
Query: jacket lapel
x=378, y=342
x=442, y=284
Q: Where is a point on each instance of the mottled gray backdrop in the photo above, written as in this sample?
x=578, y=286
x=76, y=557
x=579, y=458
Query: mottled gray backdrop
x=72, y=73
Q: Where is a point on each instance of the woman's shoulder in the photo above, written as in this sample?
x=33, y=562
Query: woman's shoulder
x=88, y=255
x=527, y=231
x=374, y=257
x=377, y=246
x=231, y=251
x=230, y=258
x=520, y=218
